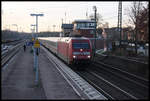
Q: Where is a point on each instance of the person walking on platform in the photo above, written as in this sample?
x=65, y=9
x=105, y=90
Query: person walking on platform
x=24, y=48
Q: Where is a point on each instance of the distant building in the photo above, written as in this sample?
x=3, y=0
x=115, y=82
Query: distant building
x=84, y=28
x=67, y=29
x=114, y=34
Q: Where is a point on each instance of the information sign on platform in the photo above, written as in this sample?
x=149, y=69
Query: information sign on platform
x=37, y=44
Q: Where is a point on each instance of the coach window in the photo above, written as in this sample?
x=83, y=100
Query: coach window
x=91, y=32
x=82, y=25
x=78, y=25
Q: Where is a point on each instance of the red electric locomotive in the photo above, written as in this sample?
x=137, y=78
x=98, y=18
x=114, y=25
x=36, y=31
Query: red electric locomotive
x=73, y=50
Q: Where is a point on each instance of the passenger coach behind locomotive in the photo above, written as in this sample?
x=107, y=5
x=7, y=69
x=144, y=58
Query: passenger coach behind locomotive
x=73, y=50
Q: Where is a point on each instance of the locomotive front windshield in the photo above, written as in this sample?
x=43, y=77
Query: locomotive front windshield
x=81, y=45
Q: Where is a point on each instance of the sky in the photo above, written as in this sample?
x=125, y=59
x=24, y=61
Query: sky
x=18, y=13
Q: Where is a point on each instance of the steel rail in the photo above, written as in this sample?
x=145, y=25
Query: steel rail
x=92, y=93
x=7, y=57
x=114, y=86
x=137, y=78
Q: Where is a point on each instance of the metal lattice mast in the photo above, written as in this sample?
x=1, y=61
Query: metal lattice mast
x=120, y=19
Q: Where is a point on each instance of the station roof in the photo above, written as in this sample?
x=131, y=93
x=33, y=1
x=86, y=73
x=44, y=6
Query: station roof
x=83, y=21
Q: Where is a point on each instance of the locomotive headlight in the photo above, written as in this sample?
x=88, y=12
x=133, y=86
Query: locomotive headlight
x=81, y=50
x=74, y=57
x=88, y=56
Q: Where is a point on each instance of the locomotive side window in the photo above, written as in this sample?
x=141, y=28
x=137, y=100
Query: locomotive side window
x=81, y=45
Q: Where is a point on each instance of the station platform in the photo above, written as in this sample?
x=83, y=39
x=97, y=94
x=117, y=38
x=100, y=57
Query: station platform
x=18, y=79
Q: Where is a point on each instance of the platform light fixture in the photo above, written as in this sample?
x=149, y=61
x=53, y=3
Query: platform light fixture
x=16, y=26
x=36, y=20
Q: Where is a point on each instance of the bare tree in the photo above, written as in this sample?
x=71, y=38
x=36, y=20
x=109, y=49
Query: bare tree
x=99, y=19
x=143, y=24
x=134, y=19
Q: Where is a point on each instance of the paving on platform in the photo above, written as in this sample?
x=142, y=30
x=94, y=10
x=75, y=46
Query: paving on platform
x=54, y=84
x=18, y=79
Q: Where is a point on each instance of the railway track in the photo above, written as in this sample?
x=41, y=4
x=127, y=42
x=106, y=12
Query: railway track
x=133, y=59
x=125, y=79
x=10, y=53
x=10, y=44
x=110, y=79
x=10, y=41
x=130, y=59
x=113, y=85
x=139, y=80
x=133, y=67
x=107, y=88
x=88, y=90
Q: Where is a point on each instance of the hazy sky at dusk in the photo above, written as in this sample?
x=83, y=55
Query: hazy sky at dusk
x=19, y=13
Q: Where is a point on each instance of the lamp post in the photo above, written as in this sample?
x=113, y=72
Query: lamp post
x=95, y=10
x=33, y=30
x=33, y=26
x=36, y=50
x=37, y=20
x=16, y=26
x=54, y=27
x=48, y=28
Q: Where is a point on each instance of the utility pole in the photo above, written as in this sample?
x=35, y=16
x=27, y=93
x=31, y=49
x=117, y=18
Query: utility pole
x=62, y=21
x=61, y=28
x=87, y=14
x=65, y=17
x=16, y=26
x=120, y=22
x=9, y=27
x=48, y=28
x=37, y=20
x=95, y=10
x=54, y=28
x=20, y=29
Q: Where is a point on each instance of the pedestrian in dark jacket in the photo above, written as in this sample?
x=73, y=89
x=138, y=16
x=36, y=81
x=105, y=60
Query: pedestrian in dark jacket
x=24, y=48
